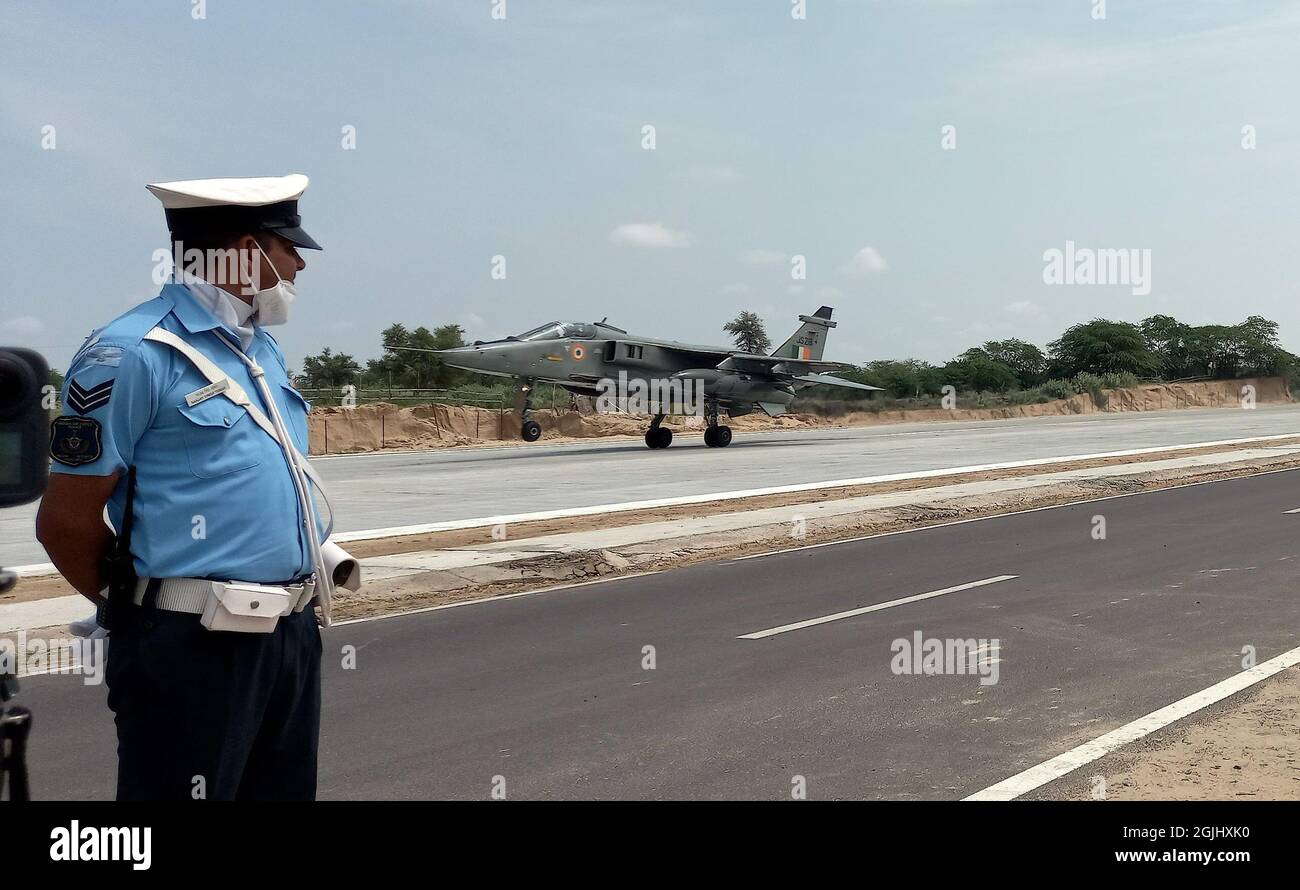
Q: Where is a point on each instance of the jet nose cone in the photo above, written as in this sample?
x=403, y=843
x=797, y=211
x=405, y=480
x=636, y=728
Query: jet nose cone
x=460, y=353
x=484, y=357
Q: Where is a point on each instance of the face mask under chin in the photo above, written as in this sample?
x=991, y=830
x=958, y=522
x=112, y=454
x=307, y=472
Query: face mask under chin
x=271, y=305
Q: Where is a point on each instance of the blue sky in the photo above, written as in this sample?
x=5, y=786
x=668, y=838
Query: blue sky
x=821, y=137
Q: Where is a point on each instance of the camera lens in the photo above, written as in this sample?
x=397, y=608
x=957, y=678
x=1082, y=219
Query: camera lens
x=18, y=385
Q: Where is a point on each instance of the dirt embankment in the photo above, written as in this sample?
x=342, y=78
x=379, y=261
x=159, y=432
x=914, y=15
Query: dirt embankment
x=382, y=426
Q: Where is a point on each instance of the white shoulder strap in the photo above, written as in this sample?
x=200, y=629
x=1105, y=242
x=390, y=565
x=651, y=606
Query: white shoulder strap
x=233, y=391
x=213, y=374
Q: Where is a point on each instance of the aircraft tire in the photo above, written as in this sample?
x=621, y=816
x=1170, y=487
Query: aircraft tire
x=532, y=431
x=711, y=436
x=722, y=437
x=660, y=437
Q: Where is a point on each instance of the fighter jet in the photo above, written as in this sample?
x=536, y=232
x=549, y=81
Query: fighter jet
x=601, y=360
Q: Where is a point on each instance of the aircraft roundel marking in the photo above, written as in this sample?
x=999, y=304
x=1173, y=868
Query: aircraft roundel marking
x=578, y=353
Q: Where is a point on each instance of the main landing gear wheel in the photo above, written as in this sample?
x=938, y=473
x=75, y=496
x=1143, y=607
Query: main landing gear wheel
x=658, y=437
x=717, y=436
x=532, y=431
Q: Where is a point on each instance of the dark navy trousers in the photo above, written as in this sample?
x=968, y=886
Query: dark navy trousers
x=214, y=715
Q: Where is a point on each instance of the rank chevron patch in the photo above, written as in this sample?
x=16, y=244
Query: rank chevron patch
x=83, y=400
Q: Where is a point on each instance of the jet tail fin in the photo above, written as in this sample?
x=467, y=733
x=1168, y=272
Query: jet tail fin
x=809, y=342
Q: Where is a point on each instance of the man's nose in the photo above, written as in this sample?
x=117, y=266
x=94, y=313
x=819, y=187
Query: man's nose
x=299, y=261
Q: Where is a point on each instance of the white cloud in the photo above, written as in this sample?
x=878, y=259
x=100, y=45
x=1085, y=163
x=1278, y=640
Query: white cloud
x=650, y=235
x=1023, y=307
x=23, y=325
x=762, y=257
x=867, y=261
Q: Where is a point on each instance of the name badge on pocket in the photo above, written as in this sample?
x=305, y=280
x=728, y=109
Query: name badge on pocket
x=207, y=392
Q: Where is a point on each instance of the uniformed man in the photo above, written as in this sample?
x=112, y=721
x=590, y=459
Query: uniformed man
x=180, y=417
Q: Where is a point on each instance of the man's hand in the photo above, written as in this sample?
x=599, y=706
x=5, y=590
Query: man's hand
x=70, y=525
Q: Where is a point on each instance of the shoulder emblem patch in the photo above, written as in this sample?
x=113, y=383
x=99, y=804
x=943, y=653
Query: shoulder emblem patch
x=75, y=440
x=83, y=400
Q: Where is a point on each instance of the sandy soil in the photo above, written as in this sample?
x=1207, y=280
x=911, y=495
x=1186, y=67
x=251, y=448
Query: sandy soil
x=1246, y=747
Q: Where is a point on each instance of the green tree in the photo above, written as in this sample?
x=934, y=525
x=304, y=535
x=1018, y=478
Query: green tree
x=448, y=336
x=422, y=367
x=1261, y=353
x=1248, y=349
x=1025, y=360
x=748, y=332
x=390, y=369
x=329, y=370
x=976, y=370
x=1168, y=338
x=1102, y=346
x=401, y=366
x=907, y=379
x=1211, y=351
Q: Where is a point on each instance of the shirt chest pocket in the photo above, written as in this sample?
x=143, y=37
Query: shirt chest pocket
x=295, y=416
x=220, y=438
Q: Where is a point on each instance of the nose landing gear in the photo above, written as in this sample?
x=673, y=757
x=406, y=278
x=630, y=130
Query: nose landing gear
x=658, y=436
x=531, y=430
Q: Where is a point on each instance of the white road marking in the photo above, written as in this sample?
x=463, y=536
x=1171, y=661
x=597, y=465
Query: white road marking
x=1050, y=770
x=851, y=613
x=1296, y=510
x=37, y=570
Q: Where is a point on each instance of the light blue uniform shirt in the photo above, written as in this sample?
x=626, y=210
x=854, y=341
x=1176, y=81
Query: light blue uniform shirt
x=214, y=497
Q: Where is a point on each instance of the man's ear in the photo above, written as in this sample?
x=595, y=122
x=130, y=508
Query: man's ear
x=250, y=263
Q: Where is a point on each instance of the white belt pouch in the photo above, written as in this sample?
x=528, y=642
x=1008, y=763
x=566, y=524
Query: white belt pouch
x=245, y=608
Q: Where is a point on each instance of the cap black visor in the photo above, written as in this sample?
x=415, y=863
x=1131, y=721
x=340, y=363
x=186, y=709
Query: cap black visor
x=297, y=237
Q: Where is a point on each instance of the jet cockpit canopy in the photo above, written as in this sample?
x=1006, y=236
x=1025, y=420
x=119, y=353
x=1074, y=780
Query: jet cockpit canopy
x=558, y=330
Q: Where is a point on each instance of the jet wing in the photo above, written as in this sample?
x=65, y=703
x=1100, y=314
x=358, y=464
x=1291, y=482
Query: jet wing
x=827, y=380
x=775, y=365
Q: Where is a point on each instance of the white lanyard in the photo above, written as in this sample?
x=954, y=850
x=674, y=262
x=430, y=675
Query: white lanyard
x=299, y=469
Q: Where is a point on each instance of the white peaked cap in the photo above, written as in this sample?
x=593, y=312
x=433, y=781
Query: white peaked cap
x=245, y=191
x=232, y=207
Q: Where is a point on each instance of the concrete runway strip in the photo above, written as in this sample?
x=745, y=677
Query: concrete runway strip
x=622, y=529
x=379, y=490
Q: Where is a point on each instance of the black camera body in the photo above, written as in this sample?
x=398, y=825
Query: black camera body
x=24, y=426
x=24, y=470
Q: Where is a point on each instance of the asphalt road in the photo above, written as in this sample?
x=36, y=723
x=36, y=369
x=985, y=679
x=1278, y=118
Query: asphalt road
x=550, y=692
x=377, y=491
